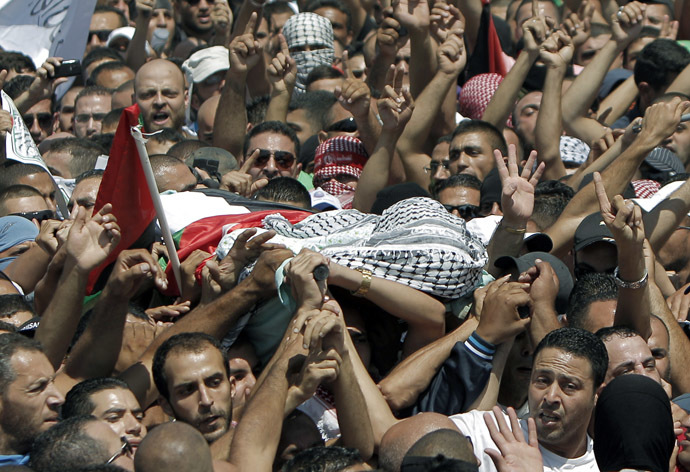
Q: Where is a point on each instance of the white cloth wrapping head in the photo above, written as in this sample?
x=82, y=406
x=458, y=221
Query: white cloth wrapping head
x=315, y=31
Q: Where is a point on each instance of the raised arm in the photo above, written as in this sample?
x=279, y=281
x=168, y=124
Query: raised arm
x=414, y=16
x=556, y=53
x=395, y=110
x=136, y=50
x=282, y=73
x=452, y=58
x=230, y=123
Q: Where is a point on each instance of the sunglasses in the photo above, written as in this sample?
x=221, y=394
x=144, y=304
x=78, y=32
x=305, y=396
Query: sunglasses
x=101, y=34
x=45, y=120
x=36, y=215
x=434, y=165
x=85, y=117
x=125, y=450
x=284, y=160
x=466, y=212
x=348, y=125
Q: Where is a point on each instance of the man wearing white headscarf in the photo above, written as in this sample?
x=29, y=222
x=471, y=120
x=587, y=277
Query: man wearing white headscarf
x=310, y=40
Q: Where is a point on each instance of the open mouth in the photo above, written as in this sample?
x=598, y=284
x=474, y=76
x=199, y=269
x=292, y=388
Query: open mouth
x=204, y=19
x=160, y=118
x=548, y=419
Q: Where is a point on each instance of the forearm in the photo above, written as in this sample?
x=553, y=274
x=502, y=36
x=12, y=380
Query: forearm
x=29, y=268
x=407, y=381
x=489, y=396
x=61, y=317
x=422, y=61
x=633, y=307
x=597, y=166
x=353, y=416
x=579, y=97
x=45, y=288
x=243, y=16
x=359, y=16
x=544, y=319
x=230, y=122
x=375, y=173
x=502, y=102
x=472, y=11
x=278, y=106
x=98, y=348
x=136, y=50
x=255, y=442
x=370, y=132
x=619, y=100
x=548, y=130
x=379, y=68
x=257, y=81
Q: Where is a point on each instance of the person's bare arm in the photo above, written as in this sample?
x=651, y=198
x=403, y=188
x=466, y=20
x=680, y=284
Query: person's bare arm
x=282, y=73
x=618, y=101
x=135, y=57
x=354, y=96
x=472, y=11
x=215, y=319
x=556, y=53
x=395, y=109
x=452, y=58
x=414, y=16
x=624, y=220
x=681, y=83
x=88, y=244
x=579, y=97
x=661, y=120
x=230, y=123
x=387, y=43
x=607, y=148
x=534, y=32
x=517, y=202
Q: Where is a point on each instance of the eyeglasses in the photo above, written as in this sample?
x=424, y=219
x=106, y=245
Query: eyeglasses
x=466, y=212
x=45, y=120
x=348, y=125
x=284, y=160
x=101, y=34
x=126, y=449
x=434, y=165
x=36, y=215
x=85, y=117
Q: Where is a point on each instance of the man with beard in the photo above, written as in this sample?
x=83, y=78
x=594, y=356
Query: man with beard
x=29, y=401
x=569, y=367
x=191, y=373
x=160, y=93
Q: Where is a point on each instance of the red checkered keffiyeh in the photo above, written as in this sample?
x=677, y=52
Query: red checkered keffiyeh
x=476, y=94
x=341, y=155
x=645, y=188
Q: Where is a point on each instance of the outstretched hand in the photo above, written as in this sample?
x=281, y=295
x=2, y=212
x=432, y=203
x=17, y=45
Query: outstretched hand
x=622, y=217
x=90, y=241
x=516, y=454
x=517, y=197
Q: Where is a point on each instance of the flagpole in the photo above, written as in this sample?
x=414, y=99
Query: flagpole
x=157, y=204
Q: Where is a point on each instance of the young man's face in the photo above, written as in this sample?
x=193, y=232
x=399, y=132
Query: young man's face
x=121, y=411
x=276, y=156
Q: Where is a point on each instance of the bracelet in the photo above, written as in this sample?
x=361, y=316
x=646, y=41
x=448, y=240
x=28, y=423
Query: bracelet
x=365, y=285
x=514, y=230
x=631, y=285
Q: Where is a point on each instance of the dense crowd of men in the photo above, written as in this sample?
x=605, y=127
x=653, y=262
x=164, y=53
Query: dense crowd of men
x=426, y=235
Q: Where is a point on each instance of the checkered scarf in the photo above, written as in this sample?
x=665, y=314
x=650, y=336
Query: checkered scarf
x=645, y=188
x=476, y=94
x=313, y=30
x=573, y=151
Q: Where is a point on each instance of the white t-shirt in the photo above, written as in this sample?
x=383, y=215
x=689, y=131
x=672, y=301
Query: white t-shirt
x=472, y=424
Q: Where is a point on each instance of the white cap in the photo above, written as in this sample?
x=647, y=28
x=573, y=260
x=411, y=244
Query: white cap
x=206, y=62
x=322, y=200
x=124, y=32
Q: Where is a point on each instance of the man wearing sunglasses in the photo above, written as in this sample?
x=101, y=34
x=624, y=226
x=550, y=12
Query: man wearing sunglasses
x=24, y=201
x=103, y=21
x=460, y=194
x=90, y=107
x=272, y=147
x=39, y=120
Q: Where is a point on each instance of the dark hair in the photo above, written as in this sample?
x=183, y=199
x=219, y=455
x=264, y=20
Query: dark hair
x=18, y=191
x=14, y=303
x=183, y=342
x=18, y=85
x=317, y=104
x=256, y=110
x=580, y=343
x=124, y=86
x=337, y=4
x=78, y=399
x=10, y=344
x=93, y=173
x=321, y=73
x=496, y=138
x=5, y=326
x=12, y=171
x=97, y=54
x=185, y=148
x=16, y=62
x=285, y=190
x=550, y=199
x=272, y=127
x=104, y=140
x=83, y=153
x=659, y=62
x=109, y=66
x=621, y=331
x=270, y=9
x=591, y=287
x=167, y=135
x=66, y=446
x=113, y=118
x=92, y=90
x=109, y=9
x=459, y=180
x=323, y=458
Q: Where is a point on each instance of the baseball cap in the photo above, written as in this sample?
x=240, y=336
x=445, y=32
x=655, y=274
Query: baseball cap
x=322, y=200
x=524, y=262
x=592, y=230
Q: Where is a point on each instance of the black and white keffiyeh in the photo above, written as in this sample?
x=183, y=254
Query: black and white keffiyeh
x=309, y=29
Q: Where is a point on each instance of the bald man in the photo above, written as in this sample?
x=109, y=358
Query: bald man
x=172, y=174
x=161, y=95
x=403, y=435
x=174, y=446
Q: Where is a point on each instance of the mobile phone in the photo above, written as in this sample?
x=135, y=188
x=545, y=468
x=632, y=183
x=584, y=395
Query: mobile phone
x=68, y=68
